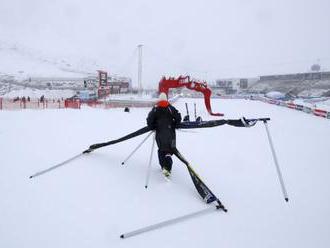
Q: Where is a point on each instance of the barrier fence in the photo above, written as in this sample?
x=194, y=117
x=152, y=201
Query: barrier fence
x=12, y=104
x=23, y=103
x=299, y=107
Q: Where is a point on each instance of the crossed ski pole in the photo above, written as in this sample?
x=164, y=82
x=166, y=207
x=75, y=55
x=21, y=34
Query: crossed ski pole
x=201, y=187
x=147, y=129
x=89, y=150
x=131, y=154
x=92, y=148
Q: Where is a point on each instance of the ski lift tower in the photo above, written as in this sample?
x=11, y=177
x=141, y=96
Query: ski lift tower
x=140, y=70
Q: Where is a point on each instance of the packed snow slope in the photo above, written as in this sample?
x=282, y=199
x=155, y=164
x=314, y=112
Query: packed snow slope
x=94, y=199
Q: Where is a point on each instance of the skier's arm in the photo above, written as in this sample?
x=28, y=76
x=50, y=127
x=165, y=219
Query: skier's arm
x=151, y=118
x=176, y=116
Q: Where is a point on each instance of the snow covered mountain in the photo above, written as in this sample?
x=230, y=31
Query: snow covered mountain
x=22, y=62
x=19, y=64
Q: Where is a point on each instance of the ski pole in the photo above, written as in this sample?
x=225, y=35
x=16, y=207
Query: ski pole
x=278, y=170
x=149, y=165
x=56, y=166
x=195, y=111
x=187, y=118
x=169, y=222
x=131, y=154
x=187, y=109
x=97, y=146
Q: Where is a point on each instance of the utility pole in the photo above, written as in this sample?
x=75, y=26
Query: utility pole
x=140, y=70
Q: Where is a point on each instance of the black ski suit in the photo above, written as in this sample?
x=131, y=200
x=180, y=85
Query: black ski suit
x=164, y=120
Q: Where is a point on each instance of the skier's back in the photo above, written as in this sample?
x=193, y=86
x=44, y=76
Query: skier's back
x=163, y=118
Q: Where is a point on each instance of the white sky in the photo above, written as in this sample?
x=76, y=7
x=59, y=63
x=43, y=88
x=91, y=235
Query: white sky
x=207, y=39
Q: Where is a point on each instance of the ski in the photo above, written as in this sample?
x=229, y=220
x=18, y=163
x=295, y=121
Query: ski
x=167, y=178
x=207, y=195
x=170, y=222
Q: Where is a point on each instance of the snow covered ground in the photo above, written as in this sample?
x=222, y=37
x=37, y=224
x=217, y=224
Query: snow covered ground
x=93, y=200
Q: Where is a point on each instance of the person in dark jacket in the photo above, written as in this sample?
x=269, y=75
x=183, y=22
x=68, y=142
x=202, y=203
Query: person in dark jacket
x=163, y=118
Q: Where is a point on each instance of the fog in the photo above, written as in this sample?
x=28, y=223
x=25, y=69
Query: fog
x=205, y=39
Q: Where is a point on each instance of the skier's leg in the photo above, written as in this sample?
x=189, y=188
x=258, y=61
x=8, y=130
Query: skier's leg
x=165, y=160
x=161, y=158
x=168, y=162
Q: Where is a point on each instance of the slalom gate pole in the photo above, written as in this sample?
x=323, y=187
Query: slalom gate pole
x=195, y=111
x=187, y=117
x=56, y=166
x=278, y=170
x=187, y=109
x=131, y=154
x=150, y=160
x=169, y=222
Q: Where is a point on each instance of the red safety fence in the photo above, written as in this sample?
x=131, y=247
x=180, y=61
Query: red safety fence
x=13, y=104
x=320, y=112
x=120, y=104
x=23, y=103
x=291, y=105
x=72, y=104
x=300, y=107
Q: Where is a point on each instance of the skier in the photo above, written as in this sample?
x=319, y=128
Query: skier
x=163, y=118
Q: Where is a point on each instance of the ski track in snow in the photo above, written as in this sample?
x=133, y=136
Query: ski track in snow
x=94, y=199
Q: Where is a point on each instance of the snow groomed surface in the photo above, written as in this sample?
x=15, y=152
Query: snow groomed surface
x=91, y=201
